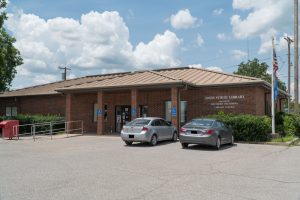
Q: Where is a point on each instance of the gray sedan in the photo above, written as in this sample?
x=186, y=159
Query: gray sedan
x=148, y=129
x=207, y=132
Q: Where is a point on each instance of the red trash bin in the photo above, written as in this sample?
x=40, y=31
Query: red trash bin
x=7, y=128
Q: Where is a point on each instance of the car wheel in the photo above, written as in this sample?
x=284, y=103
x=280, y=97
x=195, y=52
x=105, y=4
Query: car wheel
x=175, y=137
x=184, y=145
x=128, y=143
x=232, y=140
x=153, y=141
x=218, y=144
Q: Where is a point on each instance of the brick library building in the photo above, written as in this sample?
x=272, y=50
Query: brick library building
x=108, y=101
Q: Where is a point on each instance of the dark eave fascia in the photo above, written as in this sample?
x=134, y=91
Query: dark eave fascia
x=29, y=95
x=269, y=86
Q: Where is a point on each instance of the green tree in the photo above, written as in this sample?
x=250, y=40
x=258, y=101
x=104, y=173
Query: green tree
x=257, y=69
x=10, y=56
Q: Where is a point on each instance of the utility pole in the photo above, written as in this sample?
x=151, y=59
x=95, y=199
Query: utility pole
x=65, y=72
x=296, y=73
x=289, y=41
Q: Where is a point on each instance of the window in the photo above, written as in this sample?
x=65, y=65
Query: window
x=139, y=122
x=183, y=111
x=163, y=122
x=203, y=122
x=143, y=111
x=104, y=113
x=156, y=123
x=11, y=111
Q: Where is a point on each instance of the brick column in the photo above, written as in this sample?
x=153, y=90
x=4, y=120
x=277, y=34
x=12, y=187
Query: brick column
x=68, y=112
x=175, y=110
x=134, y=105
x=100, y=113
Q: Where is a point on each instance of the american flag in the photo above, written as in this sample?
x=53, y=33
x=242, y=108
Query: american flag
x=275, y=63
x=275, y=69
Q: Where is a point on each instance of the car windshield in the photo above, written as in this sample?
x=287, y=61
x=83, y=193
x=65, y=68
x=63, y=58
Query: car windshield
x=200, y=122
x=139, y=122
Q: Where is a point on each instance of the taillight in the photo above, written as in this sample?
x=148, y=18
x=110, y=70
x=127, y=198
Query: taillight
x=182, y=130
x=209, y=132
x=145, y=129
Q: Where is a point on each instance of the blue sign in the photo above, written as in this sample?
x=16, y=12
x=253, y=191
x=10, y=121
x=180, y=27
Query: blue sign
x=133, y=112
x=99, y=112
x=174, y=112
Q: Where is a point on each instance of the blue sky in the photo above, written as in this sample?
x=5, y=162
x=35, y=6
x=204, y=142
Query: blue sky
x=103, y=36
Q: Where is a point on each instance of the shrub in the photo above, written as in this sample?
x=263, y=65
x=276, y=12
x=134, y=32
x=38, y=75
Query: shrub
x=33, y=119
x=279, y=123
x=289, y=125
x=247, y=128
x=296, y=118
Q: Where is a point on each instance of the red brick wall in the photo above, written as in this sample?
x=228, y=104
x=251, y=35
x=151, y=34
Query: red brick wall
x=204, y=101
x=51, y=104
x=82, y=106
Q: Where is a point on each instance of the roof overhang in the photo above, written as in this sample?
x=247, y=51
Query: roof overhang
x=123, y=87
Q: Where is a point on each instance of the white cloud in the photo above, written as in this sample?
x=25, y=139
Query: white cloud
x=217, y=12
x=212, y=68
x=264, y=18
x=44, y=78
x=97, y=43
x=195, y=65
x=264, y=15
x=222, y=37
x=266, y=42
x=184, y=20
x=161, y=51
x=200, y=40
x=238, y=54
x=215, y=68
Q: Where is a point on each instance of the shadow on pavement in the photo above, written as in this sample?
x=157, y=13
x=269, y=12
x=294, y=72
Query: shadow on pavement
x=209, y=148
x=145, y=144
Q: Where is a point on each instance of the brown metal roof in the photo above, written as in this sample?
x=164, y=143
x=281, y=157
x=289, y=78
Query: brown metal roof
x=183, y=76
x=50, y=88
x=142, y=78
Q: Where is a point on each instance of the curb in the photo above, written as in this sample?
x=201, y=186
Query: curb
x=295, y=141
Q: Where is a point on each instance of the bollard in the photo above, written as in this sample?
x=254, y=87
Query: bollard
x=51, y=129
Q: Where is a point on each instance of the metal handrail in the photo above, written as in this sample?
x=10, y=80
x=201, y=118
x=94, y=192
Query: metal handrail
x=51, y=130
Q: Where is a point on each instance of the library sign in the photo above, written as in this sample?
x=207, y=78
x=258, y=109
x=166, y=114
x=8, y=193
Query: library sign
x=224, y=102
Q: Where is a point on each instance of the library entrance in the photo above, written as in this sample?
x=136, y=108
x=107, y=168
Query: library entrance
x=123, y=116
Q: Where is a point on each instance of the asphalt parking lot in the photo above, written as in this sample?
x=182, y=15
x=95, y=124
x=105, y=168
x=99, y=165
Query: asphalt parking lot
x=93, y=167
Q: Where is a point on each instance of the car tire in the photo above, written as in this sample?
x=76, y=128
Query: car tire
x=218, y=144
x=153, y=140
x=175, y=137
x=184, y=145
x=128, y=143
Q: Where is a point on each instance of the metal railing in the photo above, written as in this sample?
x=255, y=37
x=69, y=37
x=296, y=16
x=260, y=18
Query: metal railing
x=49, y=128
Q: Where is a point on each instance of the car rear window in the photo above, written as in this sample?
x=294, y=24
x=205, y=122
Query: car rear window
x=201, y=122
x=139, y=122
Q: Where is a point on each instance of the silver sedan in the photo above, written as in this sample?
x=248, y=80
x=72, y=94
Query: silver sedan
x=148, y=129
x=207, y=132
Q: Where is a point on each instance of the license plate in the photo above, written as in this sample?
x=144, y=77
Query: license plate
x=194, y=132
x=131, y=136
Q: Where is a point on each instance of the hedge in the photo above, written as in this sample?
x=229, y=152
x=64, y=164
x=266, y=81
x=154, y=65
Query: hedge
x=33, y=119
x=248, y=128
x=290, y=124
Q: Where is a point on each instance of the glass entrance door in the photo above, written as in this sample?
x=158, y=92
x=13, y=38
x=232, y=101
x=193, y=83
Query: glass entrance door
x=123, y=116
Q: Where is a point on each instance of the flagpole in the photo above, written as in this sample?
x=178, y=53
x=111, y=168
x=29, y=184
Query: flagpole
x=272, y=92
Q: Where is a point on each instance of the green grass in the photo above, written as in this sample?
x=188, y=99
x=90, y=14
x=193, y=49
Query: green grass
x=284, y=139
